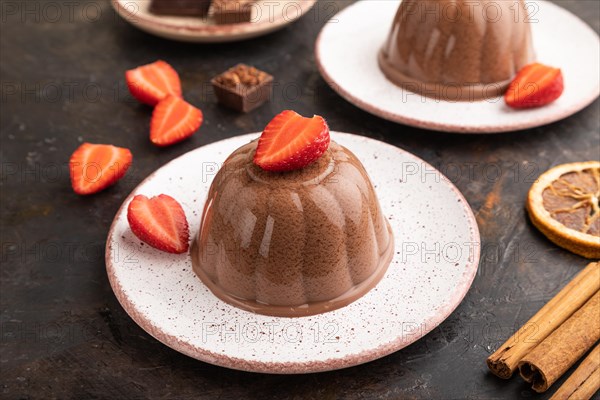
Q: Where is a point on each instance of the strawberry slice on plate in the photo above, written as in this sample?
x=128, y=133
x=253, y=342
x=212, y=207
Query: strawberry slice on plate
x=94, y=167
x=153, y=82
x=291, y=141
x=534, y=86
x=159, y=221
x=174, y=120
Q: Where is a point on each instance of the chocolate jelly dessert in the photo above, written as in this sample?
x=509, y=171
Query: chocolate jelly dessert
x=292, y=243
x=457, y=49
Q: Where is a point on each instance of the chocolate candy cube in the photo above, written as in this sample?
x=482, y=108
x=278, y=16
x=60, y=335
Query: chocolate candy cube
x=180, y=7
x=243, y=88
x=232, y=11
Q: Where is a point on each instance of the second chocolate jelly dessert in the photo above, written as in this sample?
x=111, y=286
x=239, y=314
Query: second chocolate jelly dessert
x=457, y=49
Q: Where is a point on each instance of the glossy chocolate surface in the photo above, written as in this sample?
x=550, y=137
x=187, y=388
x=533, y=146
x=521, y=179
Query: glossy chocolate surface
x=296, y=243
x=457, y=50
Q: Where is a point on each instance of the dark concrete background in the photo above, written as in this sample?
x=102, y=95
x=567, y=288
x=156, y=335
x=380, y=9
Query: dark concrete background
x=63, y=333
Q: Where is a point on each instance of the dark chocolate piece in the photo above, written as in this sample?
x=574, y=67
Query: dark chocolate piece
x=232, y=11
x=243, y=88
x=180, y=7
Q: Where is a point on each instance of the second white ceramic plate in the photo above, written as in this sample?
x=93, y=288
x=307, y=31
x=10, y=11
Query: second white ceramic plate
x=437, y=253
x=347, y=48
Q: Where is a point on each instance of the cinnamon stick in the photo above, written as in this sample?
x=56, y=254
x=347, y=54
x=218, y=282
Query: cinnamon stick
x=505, y=360
x=559, y=351
x=584, y=382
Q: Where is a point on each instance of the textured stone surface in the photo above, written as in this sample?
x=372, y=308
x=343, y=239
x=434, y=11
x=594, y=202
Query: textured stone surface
x=63, y=333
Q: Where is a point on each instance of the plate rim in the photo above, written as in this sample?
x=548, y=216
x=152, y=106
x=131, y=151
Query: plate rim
x=313, y=366
x=455, y=128
x=208, y=33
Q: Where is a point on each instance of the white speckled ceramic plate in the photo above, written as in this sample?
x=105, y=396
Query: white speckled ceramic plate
x=347, y=48
x=437, y=254
x=267, y=16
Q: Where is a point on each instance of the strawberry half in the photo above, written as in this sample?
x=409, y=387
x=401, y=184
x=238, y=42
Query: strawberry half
x=291, y=142
x=174, y=120
x=153, y=82
x=94, y=167
x=534, y=86
x=160, y=222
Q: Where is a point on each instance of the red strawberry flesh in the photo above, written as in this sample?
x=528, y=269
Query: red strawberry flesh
x=94, y=167
x=534, y=86
x=291, y=142
x=160, y=222
x=153, y=82
x=174, y=120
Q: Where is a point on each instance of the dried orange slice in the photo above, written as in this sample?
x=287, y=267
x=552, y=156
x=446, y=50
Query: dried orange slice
x=563, y=205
